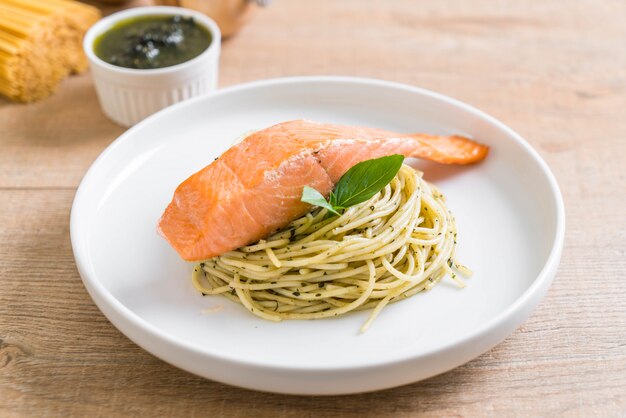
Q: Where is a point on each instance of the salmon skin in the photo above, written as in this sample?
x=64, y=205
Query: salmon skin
x=255, y=187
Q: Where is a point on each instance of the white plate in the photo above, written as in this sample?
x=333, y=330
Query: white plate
x=510, y=220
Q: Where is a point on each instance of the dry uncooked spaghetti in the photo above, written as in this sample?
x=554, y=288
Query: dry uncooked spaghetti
x=396, y=244
x=40, y=44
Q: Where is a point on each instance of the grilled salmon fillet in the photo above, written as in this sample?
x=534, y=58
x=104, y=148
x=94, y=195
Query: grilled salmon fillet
x=255, y=187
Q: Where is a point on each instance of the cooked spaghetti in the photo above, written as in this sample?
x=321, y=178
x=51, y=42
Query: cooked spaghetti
x=396, y=244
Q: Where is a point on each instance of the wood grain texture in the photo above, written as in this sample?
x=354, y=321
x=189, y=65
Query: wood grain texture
x=554, y=71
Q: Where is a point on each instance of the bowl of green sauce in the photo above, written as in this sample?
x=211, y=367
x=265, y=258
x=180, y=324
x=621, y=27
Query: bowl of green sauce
x=147, y=58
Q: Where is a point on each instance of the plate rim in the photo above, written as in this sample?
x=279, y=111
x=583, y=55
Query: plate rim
x=528, y=298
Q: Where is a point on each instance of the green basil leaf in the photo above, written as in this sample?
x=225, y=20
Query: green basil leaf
x=312, y=196
x=365, y=179
x=332, y=199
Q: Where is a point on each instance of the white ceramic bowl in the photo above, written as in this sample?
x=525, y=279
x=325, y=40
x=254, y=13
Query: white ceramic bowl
x=128, y=95
x=509, y=216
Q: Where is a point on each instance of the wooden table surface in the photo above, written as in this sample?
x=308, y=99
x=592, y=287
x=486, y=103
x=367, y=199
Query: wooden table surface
x=553, y=70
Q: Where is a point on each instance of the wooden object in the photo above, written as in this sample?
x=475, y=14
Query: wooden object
x=555, y=72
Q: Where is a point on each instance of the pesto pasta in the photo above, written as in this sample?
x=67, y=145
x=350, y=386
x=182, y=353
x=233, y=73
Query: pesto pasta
x=396, y=244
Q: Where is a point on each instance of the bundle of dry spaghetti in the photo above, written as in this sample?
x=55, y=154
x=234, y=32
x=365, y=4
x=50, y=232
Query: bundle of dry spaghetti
x=40, y=44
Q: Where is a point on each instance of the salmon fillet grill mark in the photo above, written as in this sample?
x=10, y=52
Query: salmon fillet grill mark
x=255, y=187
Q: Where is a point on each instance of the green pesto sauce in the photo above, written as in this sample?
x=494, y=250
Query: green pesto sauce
x=156, y=41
